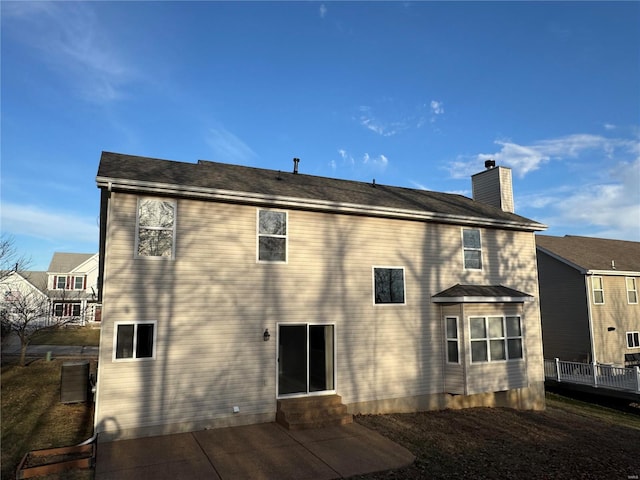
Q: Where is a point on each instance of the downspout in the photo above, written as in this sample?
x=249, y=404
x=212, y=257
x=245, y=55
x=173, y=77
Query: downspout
x=589, y=315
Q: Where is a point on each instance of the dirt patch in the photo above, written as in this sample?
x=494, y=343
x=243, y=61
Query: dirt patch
x=566, y=441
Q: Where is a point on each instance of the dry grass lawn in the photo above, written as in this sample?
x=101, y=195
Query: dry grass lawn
x=570, y=440
x=85, y=336
x=33, y=417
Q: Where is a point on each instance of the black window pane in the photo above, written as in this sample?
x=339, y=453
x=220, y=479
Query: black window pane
x=389, y=285
x=452, y=351
x=272, y=223
x=124, y=341
x=272, y=249
x=515, y=348
x=144, y=341
x=472, y=259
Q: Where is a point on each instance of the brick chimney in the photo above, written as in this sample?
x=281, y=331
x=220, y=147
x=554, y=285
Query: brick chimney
x=493, y=186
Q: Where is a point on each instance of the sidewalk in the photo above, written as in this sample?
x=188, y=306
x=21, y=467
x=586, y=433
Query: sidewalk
x=11, y=346
x=264, y=451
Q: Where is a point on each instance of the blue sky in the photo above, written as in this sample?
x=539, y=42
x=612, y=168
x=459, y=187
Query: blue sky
x=414, y=94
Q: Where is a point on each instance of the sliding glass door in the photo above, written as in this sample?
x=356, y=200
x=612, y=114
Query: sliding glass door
x=306, y=359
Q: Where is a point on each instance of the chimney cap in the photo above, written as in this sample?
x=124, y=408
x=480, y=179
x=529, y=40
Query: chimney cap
x=490, y=163
x=295, y=165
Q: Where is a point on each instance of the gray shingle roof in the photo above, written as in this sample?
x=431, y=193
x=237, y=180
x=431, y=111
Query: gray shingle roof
x=137, y=172
x=593, y=253
x=66, y=262
x=481, y=293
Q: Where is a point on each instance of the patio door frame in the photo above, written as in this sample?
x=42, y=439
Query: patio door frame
x=307, y=393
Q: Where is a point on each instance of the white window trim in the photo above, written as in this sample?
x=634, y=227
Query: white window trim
x=464, y=267
x=634, y=333
x=488, y=339
x=135, y=330
x=136, y=255
x=594, y=290
x=75, y=281
x=58, y=277
x=449, y=339
x=635, y=289
x=373, y=286
x=286, y=236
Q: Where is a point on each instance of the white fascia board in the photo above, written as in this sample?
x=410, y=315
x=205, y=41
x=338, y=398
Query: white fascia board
x=613, y=273
x=471, y=299
x=305, y=203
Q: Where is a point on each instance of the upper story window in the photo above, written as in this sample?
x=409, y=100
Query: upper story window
x=155, y=228
x=61, y=282
x=388, y=285
x=78, y=283
x=495, y=338
x=472, y=248
x=272, y=236
x=632, y=291
x=598, y=290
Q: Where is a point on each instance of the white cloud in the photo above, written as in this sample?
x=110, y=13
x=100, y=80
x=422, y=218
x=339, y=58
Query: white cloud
x=369, y=120
x=73, y=44
x=609, y=126
x=524, y=159
x=378, y=162
x=55, y=226
x=323, y=10
x=227, y=147
x=436, y=107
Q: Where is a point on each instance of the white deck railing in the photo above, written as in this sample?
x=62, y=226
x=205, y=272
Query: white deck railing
x=596, y=375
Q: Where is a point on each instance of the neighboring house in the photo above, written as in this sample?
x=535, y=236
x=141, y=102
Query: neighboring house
x=226, y=288
x=27, y=290
x=589, y=299
x=72, y=285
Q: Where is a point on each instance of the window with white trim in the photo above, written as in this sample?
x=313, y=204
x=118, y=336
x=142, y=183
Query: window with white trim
x=495, y=338
x=134, y=340
x=155, y=235
x=632, y=291
x=67, y=309
x=61, y=282
x=453, y=344
x=78, y=283
x=633, y=339
x=388, y=285
x=598, y=290
x=472, y=248
x=272, y=236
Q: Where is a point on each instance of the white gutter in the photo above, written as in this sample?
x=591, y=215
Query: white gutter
x=305, y=203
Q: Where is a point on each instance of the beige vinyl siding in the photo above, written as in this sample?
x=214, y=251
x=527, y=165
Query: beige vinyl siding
x=616, y=313
x=214, y=300
x=564, y=312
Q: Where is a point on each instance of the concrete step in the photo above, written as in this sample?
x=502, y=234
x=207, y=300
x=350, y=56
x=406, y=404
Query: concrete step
x=312, y=412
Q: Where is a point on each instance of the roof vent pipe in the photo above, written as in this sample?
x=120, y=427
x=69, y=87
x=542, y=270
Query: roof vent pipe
x=295, y=165
x=488, y=164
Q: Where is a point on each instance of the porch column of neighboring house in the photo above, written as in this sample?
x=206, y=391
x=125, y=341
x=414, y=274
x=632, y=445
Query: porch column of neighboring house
x=590, y=318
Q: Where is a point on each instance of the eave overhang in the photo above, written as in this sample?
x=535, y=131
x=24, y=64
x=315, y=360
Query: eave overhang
x=230, y=196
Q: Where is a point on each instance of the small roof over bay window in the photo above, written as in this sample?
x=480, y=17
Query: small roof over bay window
x=481, y=294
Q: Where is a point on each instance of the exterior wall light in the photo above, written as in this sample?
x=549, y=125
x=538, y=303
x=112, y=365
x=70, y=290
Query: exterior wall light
x=611, y=329
x=266, y=336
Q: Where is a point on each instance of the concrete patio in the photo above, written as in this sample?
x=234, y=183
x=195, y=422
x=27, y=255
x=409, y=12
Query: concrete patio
x=263, y=451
